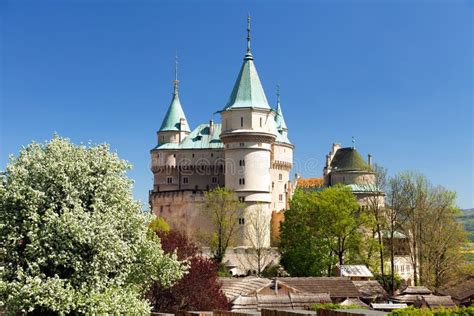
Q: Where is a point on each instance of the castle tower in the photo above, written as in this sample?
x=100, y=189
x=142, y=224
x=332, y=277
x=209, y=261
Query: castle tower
x=248, y=125
x=282, y=162
x=175, y=126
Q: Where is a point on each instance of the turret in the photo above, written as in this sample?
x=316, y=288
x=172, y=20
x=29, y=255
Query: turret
x=175, y=126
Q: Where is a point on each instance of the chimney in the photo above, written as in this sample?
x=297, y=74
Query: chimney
x=370, y=160
x=211, y=127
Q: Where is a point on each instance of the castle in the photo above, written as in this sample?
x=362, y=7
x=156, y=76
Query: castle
x=248, y=153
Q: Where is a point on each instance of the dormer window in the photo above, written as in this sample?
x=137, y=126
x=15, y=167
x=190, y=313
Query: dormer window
x=241, y=122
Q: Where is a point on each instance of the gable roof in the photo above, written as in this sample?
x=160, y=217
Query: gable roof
x=248, y=91
x=337, y=287
x=173, y=116
x=420, y=290
x=348, y=159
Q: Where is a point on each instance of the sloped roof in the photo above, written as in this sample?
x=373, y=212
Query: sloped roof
x=310, y=183
x=199, y=138
x=420, y=290
x=460, y=291
x=337, y=287
x=248, y=91
x=371, y=290
x=173, y=116
x=290, y=301
x=279, y=119
x=353, y=301
x=433, y=301
x=233, y=287
x=348, y=159
x=348, y=270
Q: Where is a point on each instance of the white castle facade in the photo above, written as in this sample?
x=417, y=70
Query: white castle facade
x=248, y=152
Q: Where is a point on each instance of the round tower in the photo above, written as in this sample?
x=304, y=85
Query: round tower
x=248, y=125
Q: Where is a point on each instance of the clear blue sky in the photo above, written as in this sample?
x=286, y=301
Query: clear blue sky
x=398, y=75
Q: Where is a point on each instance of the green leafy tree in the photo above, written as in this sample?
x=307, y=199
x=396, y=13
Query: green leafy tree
x=72, y=239
x=304, y=250
x=223, y=209
x=321, y=229
x=340, y=221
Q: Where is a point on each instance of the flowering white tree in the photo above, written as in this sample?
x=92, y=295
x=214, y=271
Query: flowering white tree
x=72, y=239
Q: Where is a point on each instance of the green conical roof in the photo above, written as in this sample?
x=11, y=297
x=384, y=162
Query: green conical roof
x=174, y=114
x=279, y=119
x=248, y=91
x=348, y=159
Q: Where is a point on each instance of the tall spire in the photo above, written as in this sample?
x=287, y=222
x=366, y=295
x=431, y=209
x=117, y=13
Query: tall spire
x=248, y=33
x=248, y=91
x=176, y=81
x=248, y=55
x=175, y=113
x=279, y=119
x=278, y=95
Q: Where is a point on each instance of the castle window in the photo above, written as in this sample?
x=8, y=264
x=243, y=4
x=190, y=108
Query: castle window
x=161, y=209
x=214, y=180
x=169, y=180
x=280, y=197
x=241, y=221
x=196, y=187
x=241, y=122
x=174, y=155
x=241, y=199
x=241, y=162
x=242, y=144
x=260, y=122
x=185, y=180
x=280, y=177
x=273, y=185
x=158, y=156
x=162, y=139
x=193, y=155
x=241, y=181
x=212, y=155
